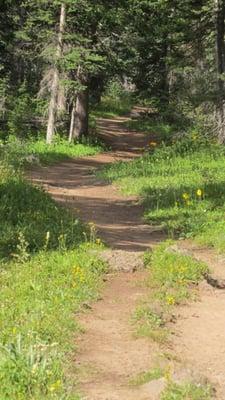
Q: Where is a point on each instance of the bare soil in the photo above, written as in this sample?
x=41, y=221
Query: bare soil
x=109, y=354
x=109, y=346
x=199, y=333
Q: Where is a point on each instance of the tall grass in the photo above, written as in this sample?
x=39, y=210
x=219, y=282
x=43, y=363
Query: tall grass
x=48, y=272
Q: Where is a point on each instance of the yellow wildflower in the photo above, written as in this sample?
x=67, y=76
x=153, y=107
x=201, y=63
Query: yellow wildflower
x=170, y=300
x=55, y=386
x=98, y=241
x=152, y=144
x=199, y=192
x=185, y=196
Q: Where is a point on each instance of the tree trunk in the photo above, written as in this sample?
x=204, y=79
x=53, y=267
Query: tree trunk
x=80, y=111
x=72, y=122
x=61, y=102
x=220, y=50
x=55, y=81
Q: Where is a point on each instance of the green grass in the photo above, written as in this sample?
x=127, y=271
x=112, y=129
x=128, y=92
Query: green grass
x=29, y=215
x=187, y=391
x=113, y=106
x=182, y=188
x=172, y=279
x=60, y=150
x=162, y=130
x=173, y=274
x=147, y=376
x=149, y=323
x=48, y=273
x=39, y=300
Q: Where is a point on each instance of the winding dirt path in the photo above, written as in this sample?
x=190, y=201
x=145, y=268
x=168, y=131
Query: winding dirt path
x=109, y=354
x=118, y=219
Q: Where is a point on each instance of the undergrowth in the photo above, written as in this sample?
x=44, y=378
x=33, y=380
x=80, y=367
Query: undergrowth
x=48, y=273
x=114, y=102
x=35, y=150
x=38, y=301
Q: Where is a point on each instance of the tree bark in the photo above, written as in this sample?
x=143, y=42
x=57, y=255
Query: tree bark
x=79, y=116
x=72, y=122
x=220, y=50
x=55, y=81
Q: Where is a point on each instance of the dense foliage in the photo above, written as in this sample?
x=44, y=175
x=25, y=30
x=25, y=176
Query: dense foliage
x=57, y=57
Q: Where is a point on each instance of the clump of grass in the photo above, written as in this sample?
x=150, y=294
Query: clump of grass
x=173, y=274
x=147, y=376
x=188, y=391
x=172, y=278
x=150, y=324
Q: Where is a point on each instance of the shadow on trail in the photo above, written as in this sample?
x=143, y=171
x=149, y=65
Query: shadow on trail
x=118, y=219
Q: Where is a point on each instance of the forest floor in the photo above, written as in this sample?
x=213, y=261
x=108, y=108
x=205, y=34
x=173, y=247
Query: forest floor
x=109, y=354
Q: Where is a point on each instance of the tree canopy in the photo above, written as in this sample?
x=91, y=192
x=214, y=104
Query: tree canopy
x=57, y=55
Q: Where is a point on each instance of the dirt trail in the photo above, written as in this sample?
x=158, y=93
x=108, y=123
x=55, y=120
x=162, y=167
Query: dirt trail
x=118, y=219
x=109, y=355
x=109, y=352
x=199, y=334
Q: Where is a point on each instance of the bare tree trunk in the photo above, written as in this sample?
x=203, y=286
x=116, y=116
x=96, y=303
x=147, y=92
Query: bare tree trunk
x=220, y=49
x=55, y=80
x=80, y=111
x=72, y=122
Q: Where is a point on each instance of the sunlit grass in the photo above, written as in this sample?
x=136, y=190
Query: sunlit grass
x=182, y=189
x=39, y=299
x=188, y=391
x=48, y=272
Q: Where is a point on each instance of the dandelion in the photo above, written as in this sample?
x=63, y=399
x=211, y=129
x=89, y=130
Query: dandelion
x=199, y=193
x=185, y=196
